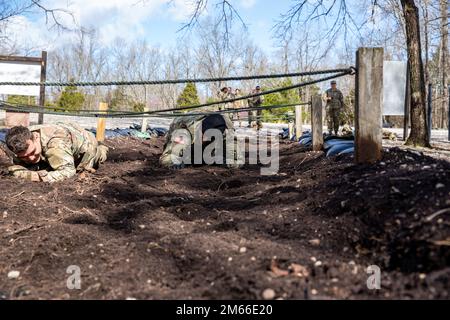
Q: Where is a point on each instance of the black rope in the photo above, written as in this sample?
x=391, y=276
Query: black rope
x=7, y=107
x=350, y=70
x=295, y=86
x=162, y=112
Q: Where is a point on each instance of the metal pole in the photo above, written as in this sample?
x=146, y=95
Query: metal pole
x=429, y=110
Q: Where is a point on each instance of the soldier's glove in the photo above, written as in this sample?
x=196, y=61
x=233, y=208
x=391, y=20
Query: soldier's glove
x=103, y=153
x=23, y=173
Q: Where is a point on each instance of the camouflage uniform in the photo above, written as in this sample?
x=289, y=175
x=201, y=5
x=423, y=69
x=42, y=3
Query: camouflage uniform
x=66, y=150
x=333, y=109
x=174, y=152
x=225, y=96
x=255, y=115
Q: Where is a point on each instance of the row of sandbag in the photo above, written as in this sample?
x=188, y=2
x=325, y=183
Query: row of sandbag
x=333, y=145
x=133, y=131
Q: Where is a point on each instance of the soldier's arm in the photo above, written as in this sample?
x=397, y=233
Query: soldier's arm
x=21, y=172
x=60, y=159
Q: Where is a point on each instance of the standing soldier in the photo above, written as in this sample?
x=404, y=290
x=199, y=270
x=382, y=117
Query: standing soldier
x=335, y=103
x=252, y=103
x=224, y=94
x=237, y=105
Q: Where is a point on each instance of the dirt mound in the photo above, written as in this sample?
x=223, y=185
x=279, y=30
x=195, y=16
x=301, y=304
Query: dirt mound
x=138, y=230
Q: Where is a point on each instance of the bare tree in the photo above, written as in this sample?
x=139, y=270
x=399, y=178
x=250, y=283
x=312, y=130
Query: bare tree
x=443, y=55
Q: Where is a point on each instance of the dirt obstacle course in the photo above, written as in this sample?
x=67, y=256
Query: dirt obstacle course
x=137, y=230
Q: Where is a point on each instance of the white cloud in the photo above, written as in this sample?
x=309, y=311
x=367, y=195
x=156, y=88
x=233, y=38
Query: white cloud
x=247, y=4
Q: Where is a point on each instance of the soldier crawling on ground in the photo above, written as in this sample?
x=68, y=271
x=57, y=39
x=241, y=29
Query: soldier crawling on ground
x=51, y=153
x=187, y=131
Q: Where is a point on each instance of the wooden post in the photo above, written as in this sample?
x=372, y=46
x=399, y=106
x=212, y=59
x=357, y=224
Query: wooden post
x=291, y=127
x=42, y=88
x=369, y=105
x=101, y=123
x=298, y=122
x=145, y=120
x=316, y=123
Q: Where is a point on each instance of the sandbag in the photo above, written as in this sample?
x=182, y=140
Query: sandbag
x=330, y=143
x=347, y=151
x=338, y=148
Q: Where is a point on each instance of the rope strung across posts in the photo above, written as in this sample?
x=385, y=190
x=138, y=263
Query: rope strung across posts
x=162, y=113
x=175, y=81
x=8, y=107
x=295, y=86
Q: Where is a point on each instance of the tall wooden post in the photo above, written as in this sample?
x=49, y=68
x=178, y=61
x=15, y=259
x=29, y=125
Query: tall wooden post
x=42, y=88
x=298, y=122
x=369, y=105
x=316, y=123
x=101, y=123
x=145, y=119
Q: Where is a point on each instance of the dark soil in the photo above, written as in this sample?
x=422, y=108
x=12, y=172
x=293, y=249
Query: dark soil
x=140, y=231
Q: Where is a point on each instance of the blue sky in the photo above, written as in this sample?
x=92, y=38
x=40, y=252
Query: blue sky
x=152, y=20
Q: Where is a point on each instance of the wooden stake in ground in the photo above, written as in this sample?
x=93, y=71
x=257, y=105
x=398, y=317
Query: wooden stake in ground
x=298, y=122
x=369, y=105
x=316, y=123
x=101, y=123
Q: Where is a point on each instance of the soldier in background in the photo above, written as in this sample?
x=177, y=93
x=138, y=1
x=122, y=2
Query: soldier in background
x=254, y=116
x=238, y=105
x=51, y=153
x=224, y=94
x=334, y=100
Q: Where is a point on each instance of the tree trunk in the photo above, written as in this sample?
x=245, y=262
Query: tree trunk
x=419, y=127
x=426, y=42
x=444, y=56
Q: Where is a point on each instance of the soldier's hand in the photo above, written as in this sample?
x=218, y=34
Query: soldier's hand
x=178, y=166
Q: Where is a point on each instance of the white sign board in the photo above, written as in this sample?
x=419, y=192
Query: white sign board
x=394, y=88
x=20, y=72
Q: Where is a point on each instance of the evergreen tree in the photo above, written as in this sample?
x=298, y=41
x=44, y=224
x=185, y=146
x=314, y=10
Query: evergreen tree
x=189, y=96
x=71, y=99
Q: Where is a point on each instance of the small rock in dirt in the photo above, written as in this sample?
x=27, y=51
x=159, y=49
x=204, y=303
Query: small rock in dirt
x=131, y=298
x=314, y=292
x=5, y=214
x=13, y=274
x=313, y=259
x=395, y=190
x=141, y=226
x=268, y=294
x=422, y=276
x=314, y=242
x=440, y=185
x=243, y=250
x=318, y=263
x=253, y=259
